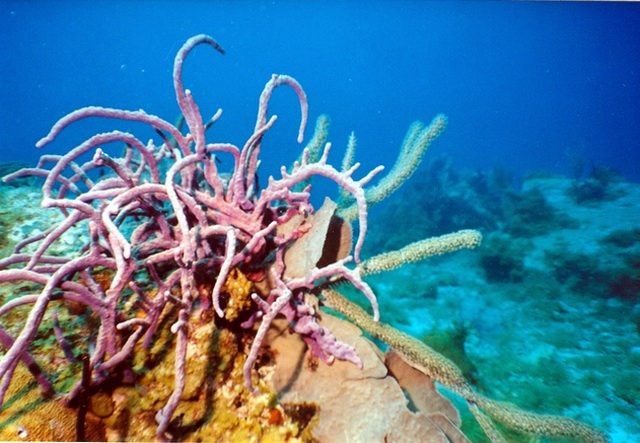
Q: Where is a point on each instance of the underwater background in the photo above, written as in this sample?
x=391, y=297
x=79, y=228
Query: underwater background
x=526, y=85
x=541, y=153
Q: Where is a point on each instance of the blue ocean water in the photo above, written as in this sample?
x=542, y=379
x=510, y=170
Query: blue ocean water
x=527, y=86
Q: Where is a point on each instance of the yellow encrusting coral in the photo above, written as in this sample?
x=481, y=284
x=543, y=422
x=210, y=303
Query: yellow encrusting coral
x=239, y=288
x=27, y=416
x=215, y=405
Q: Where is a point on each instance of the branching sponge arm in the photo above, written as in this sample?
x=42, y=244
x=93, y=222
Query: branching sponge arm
x=420, y=250
x=414, y=146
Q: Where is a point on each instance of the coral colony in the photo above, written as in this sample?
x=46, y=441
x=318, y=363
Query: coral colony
x=167, y=230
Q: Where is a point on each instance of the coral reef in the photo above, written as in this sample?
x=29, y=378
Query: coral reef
x=183, y=272
x=443, y=371
x=449, y=201
x=532, y=214
x=544, y=314
x=502, y=258
x=599, y=185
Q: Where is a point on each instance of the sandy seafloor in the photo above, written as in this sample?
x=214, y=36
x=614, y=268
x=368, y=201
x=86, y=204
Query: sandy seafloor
x=547, y=341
